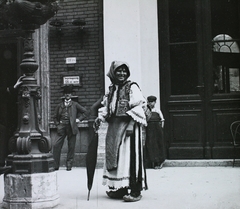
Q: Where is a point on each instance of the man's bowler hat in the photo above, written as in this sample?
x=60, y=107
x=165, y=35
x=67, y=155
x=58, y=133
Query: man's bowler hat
x=68, y=89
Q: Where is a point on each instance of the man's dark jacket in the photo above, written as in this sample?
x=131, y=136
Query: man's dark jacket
x=75, y=111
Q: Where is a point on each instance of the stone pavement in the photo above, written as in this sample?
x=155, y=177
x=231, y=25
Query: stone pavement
x=200, y=185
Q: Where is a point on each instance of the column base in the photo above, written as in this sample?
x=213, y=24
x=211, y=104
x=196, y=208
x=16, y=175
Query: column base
x=31, y=163
x=33, y=191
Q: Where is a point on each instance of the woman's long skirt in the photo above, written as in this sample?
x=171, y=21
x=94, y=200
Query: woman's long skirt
x=124, y=156
x=154, y=147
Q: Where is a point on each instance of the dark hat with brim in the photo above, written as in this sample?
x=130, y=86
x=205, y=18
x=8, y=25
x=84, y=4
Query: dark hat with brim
x=151, y=99
x=68, y=89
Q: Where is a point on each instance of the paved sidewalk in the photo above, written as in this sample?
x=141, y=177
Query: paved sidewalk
x=212, y=187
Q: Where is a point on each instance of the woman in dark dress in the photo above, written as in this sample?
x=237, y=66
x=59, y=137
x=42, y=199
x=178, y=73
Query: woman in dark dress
x=155, y=149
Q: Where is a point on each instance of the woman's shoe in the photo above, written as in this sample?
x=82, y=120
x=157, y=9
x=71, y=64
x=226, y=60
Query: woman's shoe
x=159, y=167
x=117, y=194
x=129, y=198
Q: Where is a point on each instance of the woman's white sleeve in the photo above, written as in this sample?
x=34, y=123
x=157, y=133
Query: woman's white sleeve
x=103, y=111
x=137, y=104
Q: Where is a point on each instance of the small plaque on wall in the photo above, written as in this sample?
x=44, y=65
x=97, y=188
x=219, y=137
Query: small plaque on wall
x=71, y=60
x=71, y=80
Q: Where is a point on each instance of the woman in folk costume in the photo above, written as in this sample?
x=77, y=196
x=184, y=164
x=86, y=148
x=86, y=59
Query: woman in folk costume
x=123, y=109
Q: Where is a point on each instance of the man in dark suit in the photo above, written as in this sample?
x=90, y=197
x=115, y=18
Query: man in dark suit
x=68, y=113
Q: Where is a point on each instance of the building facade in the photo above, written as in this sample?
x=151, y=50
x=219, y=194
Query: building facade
x=185, y=54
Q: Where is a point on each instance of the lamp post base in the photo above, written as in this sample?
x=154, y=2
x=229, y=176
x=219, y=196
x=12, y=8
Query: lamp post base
x=35, y=191
x=31, y=163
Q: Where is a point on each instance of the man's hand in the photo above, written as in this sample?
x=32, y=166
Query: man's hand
x=77, y=120
x=96, y=124
x=19, y=81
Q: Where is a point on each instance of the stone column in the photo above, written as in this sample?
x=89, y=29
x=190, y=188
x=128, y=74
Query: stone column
x=41, y=53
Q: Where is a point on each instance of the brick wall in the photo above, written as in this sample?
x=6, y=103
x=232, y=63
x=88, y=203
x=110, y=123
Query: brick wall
x=86, y=46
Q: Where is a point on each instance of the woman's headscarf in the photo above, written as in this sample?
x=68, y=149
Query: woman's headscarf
x=113, y=68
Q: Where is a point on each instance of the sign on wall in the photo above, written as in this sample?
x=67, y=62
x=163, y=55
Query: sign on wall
x=71, y=80
x=71, y=60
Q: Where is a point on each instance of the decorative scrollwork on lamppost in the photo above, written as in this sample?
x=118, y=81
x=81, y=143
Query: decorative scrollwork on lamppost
x=29, y=139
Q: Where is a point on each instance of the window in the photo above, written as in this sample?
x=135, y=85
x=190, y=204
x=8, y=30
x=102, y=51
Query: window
x=226, y=64
x=225, y=39
x=183, y=47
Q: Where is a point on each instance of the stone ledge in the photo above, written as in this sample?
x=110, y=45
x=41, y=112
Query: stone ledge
x=187, y=163
x=82, y=124
x=200, y=163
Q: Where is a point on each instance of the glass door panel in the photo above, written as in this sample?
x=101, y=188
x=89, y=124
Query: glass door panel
x=184, y=69
x=225, y=39
x=183, y=47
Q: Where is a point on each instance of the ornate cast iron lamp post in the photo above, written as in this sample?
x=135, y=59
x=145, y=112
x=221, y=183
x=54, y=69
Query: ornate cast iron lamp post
x=30, y=159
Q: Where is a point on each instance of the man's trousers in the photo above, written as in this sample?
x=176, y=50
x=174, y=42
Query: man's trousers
x=64, y=130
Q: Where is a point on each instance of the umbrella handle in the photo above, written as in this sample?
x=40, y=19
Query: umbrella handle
x=95, y=128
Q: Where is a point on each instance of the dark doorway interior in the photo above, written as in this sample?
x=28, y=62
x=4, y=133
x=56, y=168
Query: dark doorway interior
x=8, y=102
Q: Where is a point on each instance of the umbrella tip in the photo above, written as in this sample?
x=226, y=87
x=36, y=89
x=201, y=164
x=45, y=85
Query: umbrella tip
x=88, y=195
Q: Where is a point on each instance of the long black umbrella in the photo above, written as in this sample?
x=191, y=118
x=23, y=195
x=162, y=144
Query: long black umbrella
x=91, y=158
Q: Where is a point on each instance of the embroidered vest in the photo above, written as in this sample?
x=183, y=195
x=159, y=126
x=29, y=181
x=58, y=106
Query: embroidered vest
x=122, y=103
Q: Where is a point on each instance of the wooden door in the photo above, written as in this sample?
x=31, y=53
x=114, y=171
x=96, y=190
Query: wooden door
x=199, y=75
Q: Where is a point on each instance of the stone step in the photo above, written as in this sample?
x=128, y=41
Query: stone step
x=200, y=163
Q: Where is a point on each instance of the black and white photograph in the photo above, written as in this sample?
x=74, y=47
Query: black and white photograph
x=120, y=104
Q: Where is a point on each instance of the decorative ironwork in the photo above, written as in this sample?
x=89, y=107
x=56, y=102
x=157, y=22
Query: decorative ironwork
x=38, y=93
x=26, y=118
x=25, y=95
x=24, y=145
x=44, y=145
x=27, y=14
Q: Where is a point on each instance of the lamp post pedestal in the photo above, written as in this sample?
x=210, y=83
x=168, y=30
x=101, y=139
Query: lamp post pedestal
x=32, y=181
x=35, y=191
